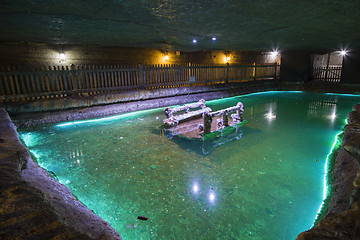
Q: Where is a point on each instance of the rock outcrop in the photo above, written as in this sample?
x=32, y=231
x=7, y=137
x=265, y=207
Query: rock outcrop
x=35, y=206
x=343, y=218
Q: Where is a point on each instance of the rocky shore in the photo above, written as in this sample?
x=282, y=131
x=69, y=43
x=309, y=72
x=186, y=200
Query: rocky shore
x=35, y=206
x=342, y=221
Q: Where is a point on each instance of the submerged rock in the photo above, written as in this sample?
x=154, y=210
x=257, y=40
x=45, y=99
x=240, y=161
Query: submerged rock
x=153, y=167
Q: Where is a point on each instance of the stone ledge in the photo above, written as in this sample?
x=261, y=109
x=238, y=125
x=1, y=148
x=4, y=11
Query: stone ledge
x=124, y=106
x=106, y=98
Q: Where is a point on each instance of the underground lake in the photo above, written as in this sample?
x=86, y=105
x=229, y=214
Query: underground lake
x=266, y=183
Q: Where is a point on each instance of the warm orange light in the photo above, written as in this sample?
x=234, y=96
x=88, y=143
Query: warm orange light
x=166, y=57
x=227, y=59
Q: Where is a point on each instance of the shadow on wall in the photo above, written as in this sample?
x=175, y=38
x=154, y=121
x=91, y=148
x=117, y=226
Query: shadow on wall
x=295, y=66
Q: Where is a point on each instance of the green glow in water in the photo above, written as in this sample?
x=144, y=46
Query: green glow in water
x=325, y=181
x=104, y=119
x=267, y=184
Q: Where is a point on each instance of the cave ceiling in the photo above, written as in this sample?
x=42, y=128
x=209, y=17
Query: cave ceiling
x=174, y=24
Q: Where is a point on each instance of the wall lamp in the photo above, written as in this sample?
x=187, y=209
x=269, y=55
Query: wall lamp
x=274, y=53
x=343, y=52
x=62, y=56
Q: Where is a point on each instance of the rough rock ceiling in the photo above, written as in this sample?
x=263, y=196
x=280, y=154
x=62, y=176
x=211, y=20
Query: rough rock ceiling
x=173, y=24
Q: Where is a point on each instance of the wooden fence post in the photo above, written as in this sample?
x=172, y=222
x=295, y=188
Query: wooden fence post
x=254, y=74
x=74, y=79
x=327, y=68
x=141, y=77
x=227, y=72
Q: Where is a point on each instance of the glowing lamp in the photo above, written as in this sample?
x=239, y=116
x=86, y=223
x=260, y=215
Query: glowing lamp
x=194, y=41
x=274, y=53
x=62, y=56
x=343, y=52
x=227, y=59
x=213, y=38
x=166, y=57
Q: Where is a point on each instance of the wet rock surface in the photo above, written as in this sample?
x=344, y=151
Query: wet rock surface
x=343, y=218
x=35, y=206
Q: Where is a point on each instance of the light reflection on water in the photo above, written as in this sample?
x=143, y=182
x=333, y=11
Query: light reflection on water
x=266, y=184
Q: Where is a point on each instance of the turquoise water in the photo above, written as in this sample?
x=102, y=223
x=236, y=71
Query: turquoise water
x=266, y=184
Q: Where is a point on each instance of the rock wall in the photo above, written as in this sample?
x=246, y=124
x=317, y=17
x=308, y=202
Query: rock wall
x=35, y=55
x=343, y=218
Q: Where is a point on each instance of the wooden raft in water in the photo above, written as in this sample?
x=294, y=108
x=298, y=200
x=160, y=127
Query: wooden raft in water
x=191, y=122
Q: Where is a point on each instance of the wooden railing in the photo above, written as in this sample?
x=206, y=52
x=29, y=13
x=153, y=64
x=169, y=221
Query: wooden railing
x=20, y=84
x=326, y=74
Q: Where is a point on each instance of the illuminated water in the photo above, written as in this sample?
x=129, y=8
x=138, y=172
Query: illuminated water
x=266, y=185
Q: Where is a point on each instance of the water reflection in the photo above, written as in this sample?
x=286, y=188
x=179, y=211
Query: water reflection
x=76, y=154
x=323, y=108
x=209, y=194
x=212, y=196
x=232, y=134
x=271, y=114
x=195, y=188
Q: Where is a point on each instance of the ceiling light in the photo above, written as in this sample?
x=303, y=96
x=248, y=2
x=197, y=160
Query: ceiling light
x=166, y=57
x=194, y=41
x=213, y=38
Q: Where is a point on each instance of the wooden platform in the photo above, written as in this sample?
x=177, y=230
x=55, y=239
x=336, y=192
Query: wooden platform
x=190, y=129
